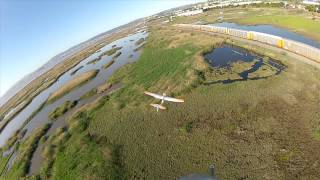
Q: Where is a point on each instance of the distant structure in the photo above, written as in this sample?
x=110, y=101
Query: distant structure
x=311, y=2
x=224, y=3
x=190, y=12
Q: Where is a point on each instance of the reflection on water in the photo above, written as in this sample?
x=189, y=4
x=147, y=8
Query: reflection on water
x=41, y=118
x=269, y=29
x=225, y=56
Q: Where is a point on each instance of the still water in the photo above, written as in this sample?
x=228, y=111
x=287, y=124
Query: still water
x=128, y=50
x=269, y=29
x=225, y=55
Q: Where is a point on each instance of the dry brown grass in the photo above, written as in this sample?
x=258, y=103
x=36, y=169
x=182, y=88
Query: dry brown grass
x=44, y=81
x=77, y=81
x=103, y=87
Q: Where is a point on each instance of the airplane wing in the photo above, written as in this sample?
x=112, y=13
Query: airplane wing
x=153, y=95
x=164, y=98
x=173, y=99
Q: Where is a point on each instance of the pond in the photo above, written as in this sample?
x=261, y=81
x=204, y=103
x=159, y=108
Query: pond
x=269, y=29
x=231, y=63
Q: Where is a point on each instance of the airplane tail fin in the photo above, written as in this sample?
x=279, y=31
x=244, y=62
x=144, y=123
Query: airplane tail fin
x=158, y=106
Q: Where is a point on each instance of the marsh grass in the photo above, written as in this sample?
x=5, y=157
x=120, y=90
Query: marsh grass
x=75, y=82
x=103, y=87
x=67, y=149
x=108, y=64
x=76, y=70
x=88, y=94
x=62, y=109
x=3, y=161
x=140, y=41
x=21, y=165
x=229, y=125
x=249, y=129
x=111, y=51
x=116, y=55
x=95, y=60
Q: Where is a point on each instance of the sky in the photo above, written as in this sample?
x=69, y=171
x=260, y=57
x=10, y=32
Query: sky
x=33, y=31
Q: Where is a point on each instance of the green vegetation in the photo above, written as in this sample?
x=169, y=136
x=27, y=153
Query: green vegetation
x=215, y=74
x=74, y=154
x=121, y=74
x=233, y=71
x=250, y=129
x=264, y=71
x=3, y=161
x=11, y=140
x=88, y=94
x=295, y=20
x=75, y=82
x=247, y=117
x=298, y=23
x=220, y=74
x=317, y=133
x=62, y=109
x=21, y=165
x=85, y=158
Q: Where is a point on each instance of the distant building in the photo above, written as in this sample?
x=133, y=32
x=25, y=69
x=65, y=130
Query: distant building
x=311, y=2
x=190, y=12
x=224, y=3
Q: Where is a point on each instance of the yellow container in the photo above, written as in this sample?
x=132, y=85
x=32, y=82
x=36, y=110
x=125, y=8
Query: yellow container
x=281, y=43
x=249, y=35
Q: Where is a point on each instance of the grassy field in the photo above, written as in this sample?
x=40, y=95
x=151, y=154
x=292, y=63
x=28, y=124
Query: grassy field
x=255, y=129
x=260, y=128
x=75, y=82
x=299, y=24
x=248, y=130
x=295, y=20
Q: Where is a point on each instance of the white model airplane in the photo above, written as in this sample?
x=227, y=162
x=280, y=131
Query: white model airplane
x=162, y=98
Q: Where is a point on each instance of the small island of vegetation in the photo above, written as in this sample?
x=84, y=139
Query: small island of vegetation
x=77, y=81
